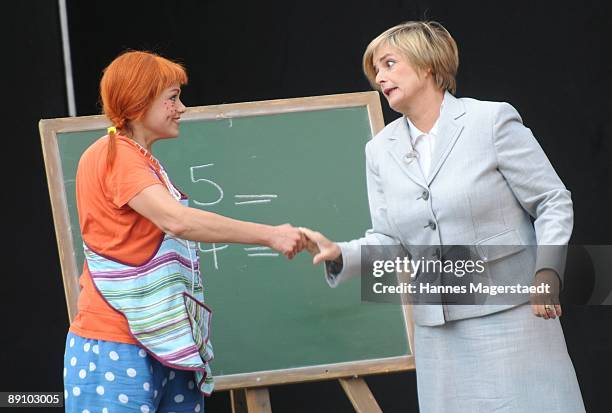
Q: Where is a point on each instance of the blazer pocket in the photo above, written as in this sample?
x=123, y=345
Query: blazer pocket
x=499, y=246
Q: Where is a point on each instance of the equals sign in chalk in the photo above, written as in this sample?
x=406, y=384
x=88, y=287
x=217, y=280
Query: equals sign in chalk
x=254, y=199
x=260, y=254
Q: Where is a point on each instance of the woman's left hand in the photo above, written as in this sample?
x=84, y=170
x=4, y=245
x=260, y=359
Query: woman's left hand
x=546, y=305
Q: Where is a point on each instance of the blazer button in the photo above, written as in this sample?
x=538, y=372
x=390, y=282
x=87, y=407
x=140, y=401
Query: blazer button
x=431, y=225
x=425, y=195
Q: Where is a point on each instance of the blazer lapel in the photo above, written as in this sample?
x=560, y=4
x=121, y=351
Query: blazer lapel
x=403, y=153
x=448, y=133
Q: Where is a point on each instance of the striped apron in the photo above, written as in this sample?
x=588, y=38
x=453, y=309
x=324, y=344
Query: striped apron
x=162, y=299
x=163, y=302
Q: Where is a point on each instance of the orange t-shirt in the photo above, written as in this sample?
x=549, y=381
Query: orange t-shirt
x=112, y=229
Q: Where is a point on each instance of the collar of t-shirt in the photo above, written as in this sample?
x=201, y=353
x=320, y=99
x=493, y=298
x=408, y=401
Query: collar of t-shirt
x=423, y=143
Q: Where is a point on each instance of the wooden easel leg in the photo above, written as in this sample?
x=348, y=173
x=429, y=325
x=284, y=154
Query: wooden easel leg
x=255, y=400
x=360, y=395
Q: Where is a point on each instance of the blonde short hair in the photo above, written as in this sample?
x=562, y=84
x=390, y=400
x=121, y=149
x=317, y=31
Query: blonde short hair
x=426, y=45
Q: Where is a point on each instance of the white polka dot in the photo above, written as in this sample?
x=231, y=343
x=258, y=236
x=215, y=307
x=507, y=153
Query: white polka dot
x=172, y=375
x=179, y=398
x=65, y=371
x=191, y=384
x=86, y=347
x=144, y=408
x=105, y=410
x=109, y=376
x=96, y=349
x=155, y=394
x=146, y=386
x=85, y=411
x=131, y=372
x=113, y=356
x=65, y=394
x=123, y=398
x=151, y=369
x=73, y=361
x=76, y=391
x=100, y=390
x=82, y=373
x=142, y=353
x=197, y=407
x=164, y=381
x=92, y=366
x=72, y=342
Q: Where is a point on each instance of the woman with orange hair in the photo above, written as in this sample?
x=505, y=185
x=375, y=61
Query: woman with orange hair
x=140, y=340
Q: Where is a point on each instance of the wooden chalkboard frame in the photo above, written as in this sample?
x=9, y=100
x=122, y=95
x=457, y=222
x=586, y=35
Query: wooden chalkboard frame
x=49, y=128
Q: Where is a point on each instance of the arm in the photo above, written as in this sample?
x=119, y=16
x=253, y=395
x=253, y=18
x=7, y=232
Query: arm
x=156, y=204
x=538, y=189
x=534, y=182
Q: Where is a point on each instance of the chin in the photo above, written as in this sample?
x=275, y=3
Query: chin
x=398, y=106
x=394, y=107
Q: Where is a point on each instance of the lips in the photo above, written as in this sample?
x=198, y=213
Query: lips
x=387, y=91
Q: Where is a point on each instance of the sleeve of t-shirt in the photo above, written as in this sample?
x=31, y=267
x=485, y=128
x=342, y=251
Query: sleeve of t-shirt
x=129, y=175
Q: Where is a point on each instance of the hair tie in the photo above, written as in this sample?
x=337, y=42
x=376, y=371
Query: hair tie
x=112, y=130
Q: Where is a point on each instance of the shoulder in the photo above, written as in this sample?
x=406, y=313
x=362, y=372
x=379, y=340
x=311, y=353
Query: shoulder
x=126, y=147
x=381, y=139
x=486, y=107
x=100, y=147
x=94, y=153
x=488, y=115
x=127, y=157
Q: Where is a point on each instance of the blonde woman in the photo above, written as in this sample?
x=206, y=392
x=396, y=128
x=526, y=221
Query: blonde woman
x=459, y=171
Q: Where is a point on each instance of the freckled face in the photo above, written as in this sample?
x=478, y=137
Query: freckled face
x=162, y=118
x=399, y=81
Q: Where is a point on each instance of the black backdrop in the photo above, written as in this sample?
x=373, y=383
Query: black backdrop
x=549, y=59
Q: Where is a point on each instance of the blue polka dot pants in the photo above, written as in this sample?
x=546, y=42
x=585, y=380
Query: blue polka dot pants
x=107, y=377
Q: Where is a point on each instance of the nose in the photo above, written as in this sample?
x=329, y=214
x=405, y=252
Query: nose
x=380, y=79
x=180, y=107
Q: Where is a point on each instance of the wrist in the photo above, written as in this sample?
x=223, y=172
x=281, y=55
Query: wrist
x=265, y=235
x=334, y=267
x=338, y=251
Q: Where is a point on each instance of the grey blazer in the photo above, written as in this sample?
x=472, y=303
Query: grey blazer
x=488, y=178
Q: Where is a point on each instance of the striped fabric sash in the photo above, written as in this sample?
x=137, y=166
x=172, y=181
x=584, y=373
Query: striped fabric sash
x=163, y=302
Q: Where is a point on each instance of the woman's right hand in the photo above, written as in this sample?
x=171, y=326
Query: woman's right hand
x=287, y=239
x=320, y=247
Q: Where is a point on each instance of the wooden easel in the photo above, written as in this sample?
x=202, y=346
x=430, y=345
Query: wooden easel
x=257, y=399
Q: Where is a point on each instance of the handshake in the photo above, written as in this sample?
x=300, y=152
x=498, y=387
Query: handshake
x=290, y=241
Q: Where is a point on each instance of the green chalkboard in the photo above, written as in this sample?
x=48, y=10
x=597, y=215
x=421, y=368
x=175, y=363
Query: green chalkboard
x=299, y=161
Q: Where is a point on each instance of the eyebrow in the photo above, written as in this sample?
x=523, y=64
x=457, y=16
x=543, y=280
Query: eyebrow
x=385, y=56
x=175, y=89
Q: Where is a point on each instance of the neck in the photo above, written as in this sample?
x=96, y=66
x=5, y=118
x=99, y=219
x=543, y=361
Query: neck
x=425, y=111
x=142, y=142
x=140, y=136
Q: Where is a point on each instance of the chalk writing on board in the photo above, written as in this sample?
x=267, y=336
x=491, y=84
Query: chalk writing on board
x=260, y=254
x=254, y=199
x=251, y=252
x=193, y=170
x=239, y=199
x=214, y=250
